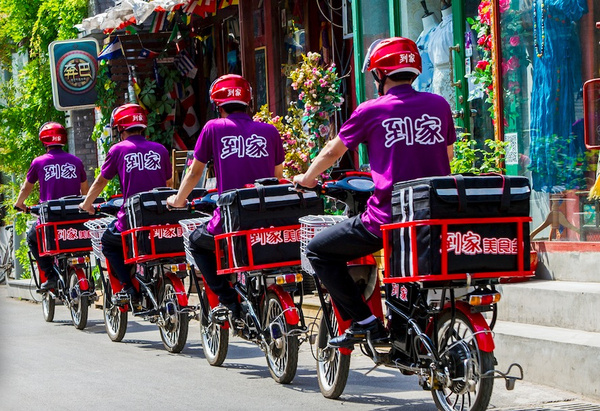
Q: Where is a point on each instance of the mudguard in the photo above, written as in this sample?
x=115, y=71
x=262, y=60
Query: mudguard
x=484, y=335
x=116, y=286
x=84, y=284
x=292, y=317
x=182, y=298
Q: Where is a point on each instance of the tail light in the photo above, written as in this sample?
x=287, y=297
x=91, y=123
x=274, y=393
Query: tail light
x=288, y=279
x=175, y=268
x=484, y=299
x=79, y=260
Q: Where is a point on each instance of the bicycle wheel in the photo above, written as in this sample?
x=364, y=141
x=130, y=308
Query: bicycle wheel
x=78, y=303
x=215, y=339
x=174, y=331
x=465, y=389
x=48, y=307
x=282, y=355
x=115, y=319
x=333, y=367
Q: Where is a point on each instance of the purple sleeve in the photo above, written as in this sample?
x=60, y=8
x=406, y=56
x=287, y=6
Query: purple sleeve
x=279, y=152
x=109, y=168
x=352, y=132
x=203, y=150
x=81, y=171
x=166, y=163
x=32, y=173
x=451, y=133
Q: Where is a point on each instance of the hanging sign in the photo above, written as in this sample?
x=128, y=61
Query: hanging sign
x=73, y=68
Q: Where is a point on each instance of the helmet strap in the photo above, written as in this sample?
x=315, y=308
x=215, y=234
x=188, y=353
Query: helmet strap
x=380, y=81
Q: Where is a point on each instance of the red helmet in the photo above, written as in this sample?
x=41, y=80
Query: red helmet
x=128, y=116
x=230, y=88
x=393, y=55
x=53, y=134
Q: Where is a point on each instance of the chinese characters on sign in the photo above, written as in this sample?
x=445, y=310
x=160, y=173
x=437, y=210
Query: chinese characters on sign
x=73, y=67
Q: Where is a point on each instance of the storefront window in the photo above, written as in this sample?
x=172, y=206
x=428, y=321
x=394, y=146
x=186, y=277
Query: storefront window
x=548, y=50
x=375, y=25
x=294, y=44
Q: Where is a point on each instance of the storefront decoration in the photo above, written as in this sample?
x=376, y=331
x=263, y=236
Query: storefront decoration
x=307, y=126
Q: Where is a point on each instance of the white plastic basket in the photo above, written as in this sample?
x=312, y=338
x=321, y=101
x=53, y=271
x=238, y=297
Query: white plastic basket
x=97, y=228
x=189, y=226
x=310, y=226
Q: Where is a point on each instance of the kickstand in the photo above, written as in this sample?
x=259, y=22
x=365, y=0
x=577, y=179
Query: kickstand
x=510, y=380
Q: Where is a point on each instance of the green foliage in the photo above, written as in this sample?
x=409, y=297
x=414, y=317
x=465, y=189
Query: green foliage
x=28, y=27
x=22, y=256
x=469, y=158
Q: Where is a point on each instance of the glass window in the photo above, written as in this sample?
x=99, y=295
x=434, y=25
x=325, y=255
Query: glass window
x=375, y=25
x=548, y=50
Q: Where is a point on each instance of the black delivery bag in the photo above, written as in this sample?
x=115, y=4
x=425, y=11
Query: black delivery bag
x=471, y=247
x=71, y=236
x=148, y=209
x=265, y=206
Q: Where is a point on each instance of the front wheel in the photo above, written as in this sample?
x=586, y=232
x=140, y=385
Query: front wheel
x=282, y=355
x=115, y=319
x=464, y=389
x=215, y=338
x=78, y=303
x=333, y=367
x=48, y=307
x=174, y=331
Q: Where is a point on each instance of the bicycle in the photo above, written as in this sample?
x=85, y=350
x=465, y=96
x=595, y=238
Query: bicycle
x=267, y=280
x=7, y=262
x=68, y=243
x=436, y=327
x=157, y=275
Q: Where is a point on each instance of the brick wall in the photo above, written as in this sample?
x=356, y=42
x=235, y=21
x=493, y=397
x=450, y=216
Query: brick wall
x=80, y=143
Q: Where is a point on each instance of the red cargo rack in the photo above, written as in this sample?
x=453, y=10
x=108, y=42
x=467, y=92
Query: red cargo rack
x=131, y=237
x=246, y=240
x=390, y=277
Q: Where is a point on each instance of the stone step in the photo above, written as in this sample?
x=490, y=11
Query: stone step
x=564, y=304
x=558, y=357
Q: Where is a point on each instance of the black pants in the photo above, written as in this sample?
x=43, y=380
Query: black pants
x=112, y=248
x=203, y=249
x=328, y=254
x=44, y=263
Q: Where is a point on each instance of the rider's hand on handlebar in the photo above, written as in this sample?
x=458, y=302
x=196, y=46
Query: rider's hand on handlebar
x=90, y=208
x=301, y=181
x=20, y=207
x=171, y=202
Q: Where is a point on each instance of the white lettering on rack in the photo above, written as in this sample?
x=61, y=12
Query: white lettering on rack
x=275, y=237
x=471, y=243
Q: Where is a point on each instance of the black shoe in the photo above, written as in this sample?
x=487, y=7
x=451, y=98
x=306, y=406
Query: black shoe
x=132, y=293
x=49, y=284
x=236, y=318
x=358, y=333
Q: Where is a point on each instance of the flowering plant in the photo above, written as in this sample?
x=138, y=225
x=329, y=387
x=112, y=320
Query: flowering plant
x=482, y=75
x=307, y=126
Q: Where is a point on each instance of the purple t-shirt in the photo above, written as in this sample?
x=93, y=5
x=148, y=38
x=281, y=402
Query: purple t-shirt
x=60, y=174
x=243, y=151
x=407, y=134
x=141, y=165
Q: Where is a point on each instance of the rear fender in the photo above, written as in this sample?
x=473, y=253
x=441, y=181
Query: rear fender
x=292, y=317
x=82, y=280
x=484, y=335
x=182, y=298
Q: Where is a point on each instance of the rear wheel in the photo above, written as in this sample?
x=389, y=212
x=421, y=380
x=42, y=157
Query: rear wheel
x=215, y=338
x=465, y=388
x=48, y=307
x=282, y=356
x=333, y=367
x=78, y=303
x=115, y=319
x=175, y=329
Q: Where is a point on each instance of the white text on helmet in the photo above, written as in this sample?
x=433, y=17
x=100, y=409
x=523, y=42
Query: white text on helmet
x=234, y=92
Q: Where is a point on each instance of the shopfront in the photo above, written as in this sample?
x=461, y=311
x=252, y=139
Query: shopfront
x=512, y=70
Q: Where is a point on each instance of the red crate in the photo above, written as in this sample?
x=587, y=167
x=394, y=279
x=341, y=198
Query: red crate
x=242, y=245
x=63, y=237
x=150, y=235
x=445, y=276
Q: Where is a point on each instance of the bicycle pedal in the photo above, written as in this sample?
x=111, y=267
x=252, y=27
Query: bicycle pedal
x=219, y=315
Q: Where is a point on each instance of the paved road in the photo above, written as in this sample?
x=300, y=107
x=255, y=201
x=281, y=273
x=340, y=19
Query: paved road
x=54, y=366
